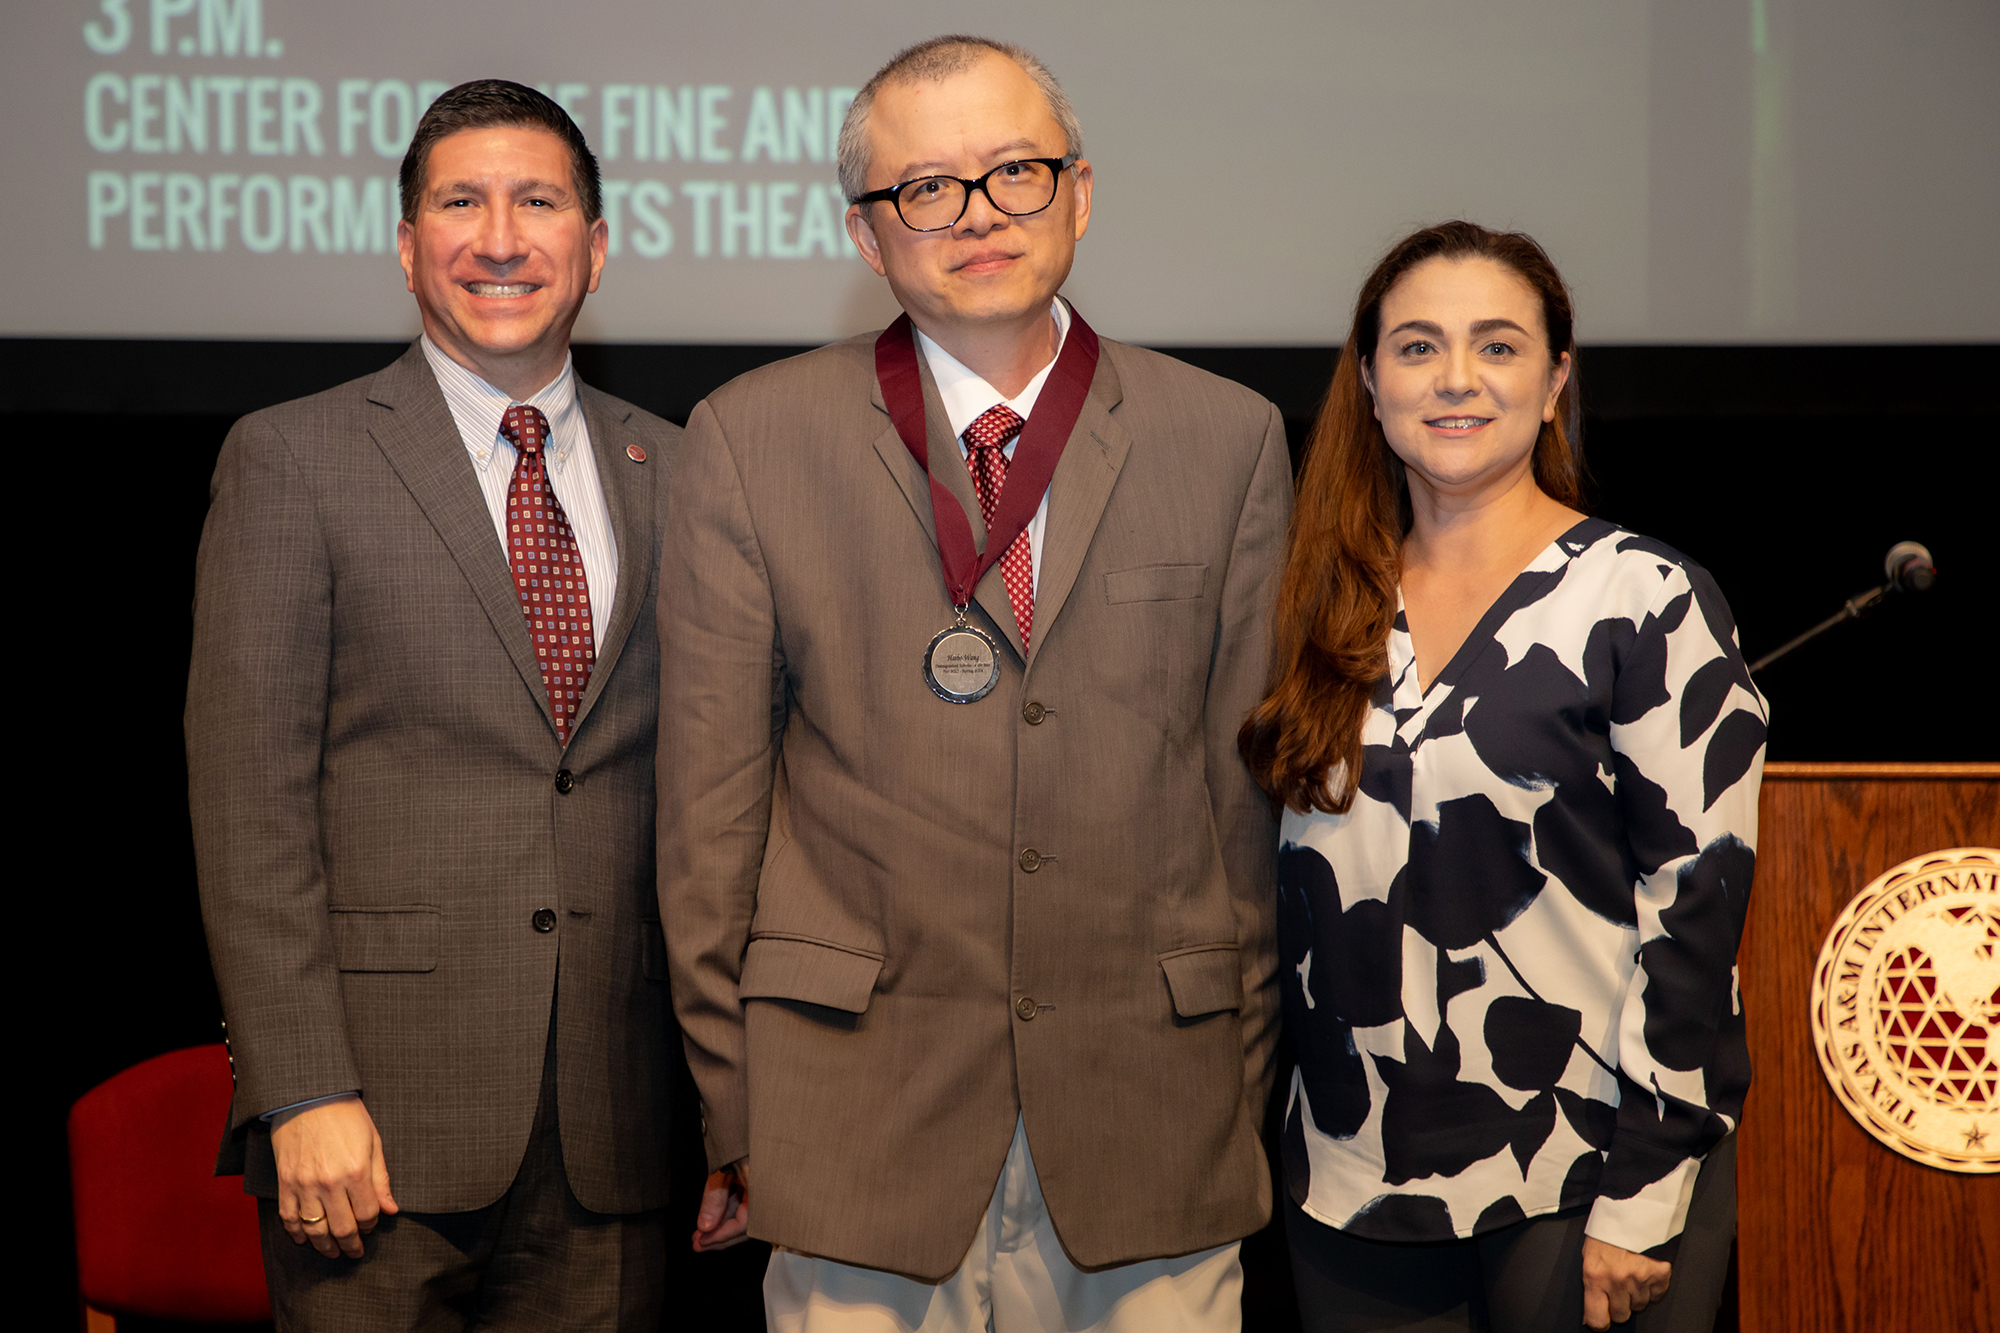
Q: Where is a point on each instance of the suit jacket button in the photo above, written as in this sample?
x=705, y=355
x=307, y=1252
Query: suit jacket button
x=1033, y=713
x=1031, y=860
x=1025, y=1007
x=544, y=919
x=565, y=781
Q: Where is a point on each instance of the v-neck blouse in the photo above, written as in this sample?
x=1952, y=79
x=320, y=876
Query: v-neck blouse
x=1509, y=969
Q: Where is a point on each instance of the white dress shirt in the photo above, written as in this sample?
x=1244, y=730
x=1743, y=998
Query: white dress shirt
x=478, y=407
x=966, y=395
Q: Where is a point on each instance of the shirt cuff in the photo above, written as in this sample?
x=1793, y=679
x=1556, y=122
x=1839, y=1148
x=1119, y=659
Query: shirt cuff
x=1653, y=1216
x=284, y=1113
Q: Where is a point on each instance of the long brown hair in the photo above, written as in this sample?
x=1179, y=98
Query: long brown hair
x=1345, y=552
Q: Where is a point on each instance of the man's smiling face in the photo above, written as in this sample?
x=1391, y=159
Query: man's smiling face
x=501, y=256
x=989, y=267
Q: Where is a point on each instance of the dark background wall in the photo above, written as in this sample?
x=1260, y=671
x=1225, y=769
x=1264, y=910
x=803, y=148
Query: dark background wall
x=1787, y=471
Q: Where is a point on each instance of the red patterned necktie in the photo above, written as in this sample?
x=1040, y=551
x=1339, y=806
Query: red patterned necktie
x=548, y=569
x=985, y=442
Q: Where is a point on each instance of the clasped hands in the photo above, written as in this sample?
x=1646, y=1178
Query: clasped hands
x=333, y=1184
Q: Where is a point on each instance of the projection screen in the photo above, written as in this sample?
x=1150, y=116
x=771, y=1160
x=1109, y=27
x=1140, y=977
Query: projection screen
x=1703, y=170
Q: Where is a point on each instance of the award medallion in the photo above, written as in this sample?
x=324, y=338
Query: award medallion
x=962, y=665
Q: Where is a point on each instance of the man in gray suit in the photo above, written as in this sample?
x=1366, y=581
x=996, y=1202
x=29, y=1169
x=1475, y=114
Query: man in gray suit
x=967, y=893
x=421, y=727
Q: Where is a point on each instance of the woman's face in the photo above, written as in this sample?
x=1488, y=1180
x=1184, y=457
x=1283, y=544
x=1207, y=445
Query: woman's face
x=1462, y=376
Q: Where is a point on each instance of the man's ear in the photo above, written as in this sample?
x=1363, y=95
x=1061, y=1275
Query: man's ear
x=406, y=252
x=862, y=233
x=1082, y=186
x=600, y=245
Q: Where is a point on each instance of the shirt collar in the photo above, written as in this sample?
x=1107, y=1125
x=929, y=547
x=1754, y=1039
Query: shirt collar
x=966, y=394
x=477, y=407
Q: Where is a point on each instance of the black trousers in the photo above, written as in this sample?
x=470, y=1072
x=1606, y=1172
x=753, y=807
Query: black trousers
x=1527, y=1278
x=535, y=1260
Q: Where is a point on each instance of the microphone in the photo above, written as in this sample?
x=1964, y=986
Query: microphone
x=1909, y=567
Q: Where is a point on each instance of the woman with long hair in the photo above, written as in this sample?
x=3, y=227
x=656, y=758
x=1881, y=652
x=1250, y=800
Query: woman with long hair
x=1518, y=754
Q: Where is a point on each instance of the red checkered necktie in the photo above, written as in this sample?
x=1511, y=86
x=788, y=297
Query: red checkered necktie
x=985, y=444
x=548, y=569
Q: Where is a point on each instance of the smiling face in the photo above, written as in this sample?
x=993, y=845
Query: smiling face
x=989, y=269
x=501, y=256
x=1462, y=374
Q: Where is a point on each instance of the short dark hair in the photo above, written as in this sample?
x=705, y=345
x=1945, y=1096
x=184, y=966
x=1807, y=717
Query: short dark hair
x=933, y=61
x=487, y=104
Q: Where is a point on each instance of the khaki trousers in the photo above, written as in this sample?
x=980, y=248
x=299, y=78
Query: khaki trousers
x=1015, y=1279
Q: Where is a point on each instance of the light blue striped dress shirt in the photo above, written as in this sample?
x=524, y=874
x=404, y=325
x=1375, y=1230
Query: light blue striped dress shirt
x=477, y=407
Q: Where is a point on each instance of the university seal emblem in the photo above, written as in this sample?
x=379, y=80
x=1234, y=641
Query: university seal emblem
x=1906, y=1009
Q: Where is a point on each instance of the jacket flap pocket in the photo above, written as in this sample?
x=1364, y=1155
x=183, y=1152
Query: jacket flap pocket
x=790, y=969
x=1155, y=583
x=385, y=939
x=1205, y=979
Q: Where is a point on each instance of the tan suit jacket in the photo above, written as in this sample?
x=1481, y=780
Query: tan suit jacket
x=874, y=974
x=396, y=854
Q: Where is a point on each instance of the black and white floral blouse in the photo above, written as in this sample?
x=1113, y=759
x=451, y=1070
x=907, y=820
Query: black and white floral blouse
x=1509, y=970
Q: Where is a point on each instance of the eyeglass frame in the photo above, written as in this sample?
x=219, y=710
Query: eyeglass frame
x=891, y=194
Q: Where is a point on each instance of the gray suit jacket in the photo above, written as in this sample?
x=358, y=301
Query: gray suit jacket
x=381, y=807
x=873, y=976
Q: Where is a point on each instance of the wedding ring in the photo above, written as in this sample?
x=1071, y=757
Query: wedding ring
x=311, y=1221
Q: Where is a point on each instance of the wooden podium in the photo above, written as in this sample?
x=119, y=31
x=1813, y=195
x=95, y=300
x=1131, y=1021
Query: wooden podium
x=1835, y=1230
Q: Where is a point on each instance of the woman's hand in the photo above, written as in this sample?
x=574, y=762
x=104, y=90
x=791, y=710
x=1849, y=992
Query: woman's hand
x=1617, y=1284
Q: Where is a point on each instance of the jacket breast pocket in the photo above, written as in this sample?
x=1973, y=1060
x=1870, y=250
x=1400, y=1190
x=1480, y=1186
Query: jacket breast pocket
x=1156, y=583
x=780, y=968
x=385, y=939
x=1205, y=979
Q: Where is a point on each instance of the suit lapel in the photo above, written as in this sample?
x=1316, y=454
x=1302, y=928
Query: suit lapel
x=948, y=465
x=630, y=528
x=1078, y=493
x=414, y=429
x=889, y=447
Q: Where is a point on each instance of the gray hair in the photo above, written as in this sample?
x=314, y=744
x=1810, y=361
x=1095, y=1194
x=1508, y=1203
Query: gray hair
x=937, y=59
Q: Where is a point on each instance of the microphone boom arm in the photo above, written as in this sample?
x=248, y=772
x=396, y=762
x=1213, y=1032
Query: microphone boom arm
x=1855, y=607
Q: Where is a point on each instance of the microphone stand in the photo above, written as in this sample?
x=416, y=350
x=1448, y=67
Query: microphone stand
x=1855, y=607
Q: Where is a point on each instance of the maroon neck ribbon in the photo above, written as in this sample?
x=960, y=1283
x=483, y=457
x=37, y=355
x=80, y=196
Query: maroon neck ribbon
x=1035, y=454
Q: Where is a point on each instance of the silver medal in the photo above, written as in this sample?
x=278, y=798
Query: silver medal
x=962, y=665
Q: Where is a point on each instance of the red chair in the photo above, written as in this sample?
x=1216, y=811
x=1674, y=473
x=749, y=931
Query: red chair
x=158, y=1234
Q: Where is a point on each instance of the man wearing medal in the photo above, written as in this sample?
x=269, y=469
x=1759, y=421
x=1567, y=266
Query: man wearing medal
x=968, y=897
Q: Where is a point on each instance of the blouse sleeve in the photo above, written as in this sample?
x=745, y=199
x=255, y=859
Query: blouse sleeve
x=1687, y=732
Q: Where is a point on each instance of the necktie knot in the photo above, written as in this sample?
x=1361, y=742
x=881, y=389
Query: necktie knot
x=525, y=428
x=994, y=427
x=985, y=439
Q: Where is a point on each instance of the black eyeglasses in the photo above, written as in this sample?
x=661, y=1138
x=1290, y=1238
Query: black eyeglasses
x=933, y=203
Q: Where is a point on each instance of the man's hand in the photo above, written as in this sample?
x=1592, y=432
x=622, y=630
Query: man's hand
x=724, y=1218
x=332, y=1182
x=1617, y=1284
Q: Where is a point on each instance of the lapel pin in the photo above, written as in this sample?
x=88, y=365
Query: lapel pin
x=635, y=453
